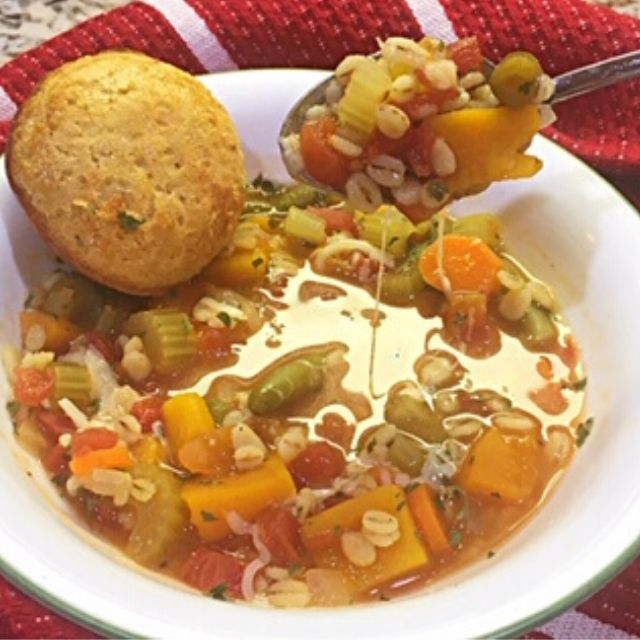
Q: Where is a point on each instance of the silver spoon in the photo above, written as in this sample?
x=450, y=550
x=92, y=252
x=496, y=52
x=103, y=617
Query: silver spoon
x=567, y=85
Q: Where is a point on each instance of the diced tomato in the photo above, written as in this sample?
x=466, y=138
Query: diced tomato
x=467, y=55
x=320, y=159
x=336, y=429
x=206, y=569
x=214, y=340
x=103, y=345
x=53, y=424
x=379, y=144
x=33, y=386
x=337, y=220
x=56, y=460
x=93, y=439
x=280, y=532
x=419, y=155
x=148, y=410
x=317, y=466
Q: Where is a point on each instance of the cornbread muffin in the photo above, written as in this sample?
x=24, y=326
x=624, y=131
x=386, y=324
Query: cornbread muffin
x=129, y=168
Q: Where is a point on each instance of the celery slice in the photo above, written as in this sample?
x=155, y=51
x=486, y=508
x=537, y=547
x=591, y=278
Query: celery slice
x=306, y=226
x=73, y=382
x=398, y=230
x=367, y=88
x=168, y=337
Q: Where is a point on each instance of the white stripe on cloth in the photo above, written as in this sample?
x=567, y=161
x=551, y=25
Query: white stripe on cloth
x=574, y=625
x=8, y=107
x=196, y=34
x=433, y=19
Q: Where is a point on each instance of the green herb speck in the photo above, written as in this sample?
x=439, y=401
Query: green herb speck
x=490, y=554
x=257, y=262
x=129, y=222
x=219, y=592
x=225, y=318
x=207, y=516
x=578, y=385
x=401, y=505
x=455, y=538
x=437, y=189
x=294, y=569
x=583, y=431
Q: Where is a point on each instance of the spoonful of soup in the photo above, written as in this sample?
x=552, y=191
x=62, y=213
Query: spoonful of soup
x=419, y=124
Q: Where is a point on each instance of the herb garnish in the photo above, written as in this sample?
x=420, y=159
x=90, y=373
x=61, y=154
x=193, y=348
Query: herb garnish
x=257, y=262
x=455, y=538
x=129, y=222
x=583, y=431
x=225, y=318
x=219, y=592
x=207, y=516
x=578, y=385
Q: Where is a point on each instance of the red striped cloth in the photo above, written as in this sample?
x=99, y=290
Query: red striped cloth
x=210, y=35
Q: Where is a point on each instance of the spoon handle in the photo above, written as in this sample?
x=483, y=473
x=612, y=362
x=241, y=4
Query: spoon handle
x=596, y=76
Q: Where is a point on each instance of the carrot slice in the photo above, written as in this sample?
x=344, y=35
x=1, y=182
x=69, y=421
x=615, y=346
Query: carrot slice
x=468, y=263
x=117, y=457
x=428, y=519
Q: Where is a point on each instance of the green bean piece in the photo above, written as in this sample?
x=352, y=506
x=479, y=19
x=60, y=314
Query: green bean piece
x=515, y=80
x=407, y=453
x=415, y=417
x=159, y=521
x=485, y=226
x=168, y=337
x=74, y=298
x=300, y=195
x=287, y=383
x=538, y=328
x=73, y=382
x=218, y=408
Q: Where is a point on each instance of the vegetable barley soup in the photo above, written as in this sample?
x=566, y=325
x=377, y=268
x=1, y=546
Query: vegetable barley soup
x=341, y=407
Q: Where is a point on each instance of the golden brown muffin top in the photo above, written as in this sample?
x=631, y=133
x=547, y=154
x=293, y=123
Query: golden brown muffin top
x=129, y=168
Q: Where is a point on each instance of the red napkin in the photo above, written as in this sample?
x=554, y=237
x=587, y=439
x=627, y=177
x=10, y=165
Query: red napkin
x=210, y=35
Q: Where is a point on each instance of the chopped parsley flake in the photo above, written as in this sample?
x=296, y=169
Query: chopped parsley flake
x=12, y=408
x=219, y=592
x=257, y=262
x=455, y=538
x=490, y=554
x=207, y=516
x=578, y=385
x=129, y=222
x=294, y=569
x=583, y=431
x=225, y=318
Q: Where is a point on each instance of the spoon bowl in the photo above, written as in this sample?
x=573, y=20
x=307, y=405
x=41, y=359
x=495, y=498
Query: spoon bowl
x=567, y=85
